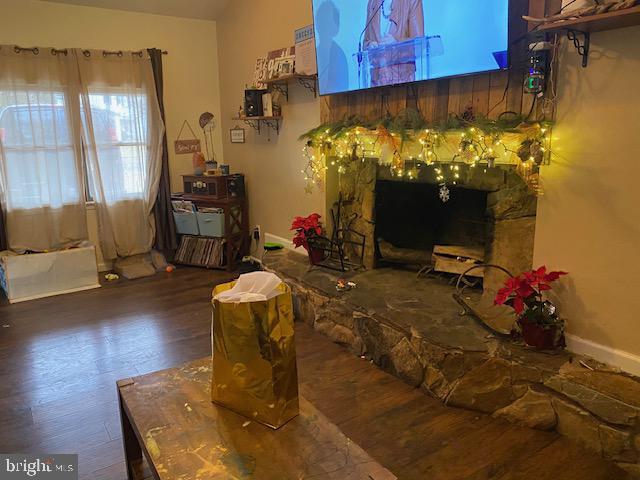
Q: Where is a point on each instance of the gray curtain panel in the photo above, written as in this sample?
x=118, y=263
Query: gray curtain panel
x=3, y=232
x=162, y=210
x=124, y=181
x=40, y=163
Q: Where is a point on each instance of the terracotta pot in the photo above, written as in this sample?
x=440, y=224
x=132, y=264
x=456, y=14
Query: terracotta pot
x=316, y=255
x=541, y=338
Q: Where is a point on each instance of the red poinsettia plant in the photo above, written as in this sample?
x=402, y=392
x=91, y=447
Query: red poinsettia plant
x=537, y=317
x=305, y=228
x=525, y=291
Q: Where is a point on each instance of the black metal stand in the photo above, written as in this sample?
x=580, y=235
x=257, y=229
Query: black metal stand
x=253, y=124
x=273, y=124
x=334, y=255
x=256, y=124
x=282, y=88
x=581, y=47
x=308, y=83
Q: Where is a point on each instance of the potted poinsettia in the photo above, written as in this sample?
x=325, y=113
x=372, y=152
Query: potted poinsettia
x=307, y=230
x=538, y=321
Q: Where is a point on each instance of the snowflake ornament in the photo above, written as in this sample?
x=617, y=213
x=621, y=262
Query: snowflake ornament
x=444, y=194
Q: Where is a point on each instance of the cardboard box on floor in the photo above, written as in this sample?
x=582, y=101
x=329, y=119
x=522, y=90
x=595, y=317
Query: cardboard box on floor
x=38, y=275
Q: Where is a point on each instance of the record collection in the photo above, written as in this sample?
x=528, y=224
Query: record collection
x=201, y=252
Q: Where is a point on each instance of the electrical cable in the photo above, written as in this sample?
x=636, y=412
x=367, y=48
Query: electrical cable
x=515, y=41
x=533, y=105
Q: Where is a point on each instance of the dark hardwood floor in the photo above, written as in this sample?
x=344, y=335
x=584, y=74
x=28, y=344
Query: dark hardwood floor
x=60, y=358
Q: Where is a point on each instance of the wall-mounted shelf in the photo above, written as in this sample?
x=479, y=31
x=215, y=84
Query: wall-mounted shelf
x=597, y=23
x=257, y=122
x=579, y=29
x=281, y=84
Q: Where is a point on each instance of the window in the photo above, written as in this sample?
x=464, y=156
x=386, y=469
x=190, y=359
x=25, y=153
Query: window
x=121, y=132
x=36, y=133
x=77, y=125
x=37, y=139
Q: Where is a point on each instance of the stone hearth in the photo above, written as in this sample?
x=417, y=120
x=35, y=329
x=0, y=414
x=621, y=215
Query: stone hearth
x=412, y=328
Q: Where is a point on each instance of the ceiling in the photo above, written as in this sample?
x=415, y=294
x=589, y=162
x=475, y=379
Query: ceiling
x=202, y=9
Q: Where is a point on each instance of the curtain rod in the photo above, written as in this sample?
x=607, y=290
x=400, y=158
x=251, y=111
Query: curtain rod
x=86, y=53
x=119, y=53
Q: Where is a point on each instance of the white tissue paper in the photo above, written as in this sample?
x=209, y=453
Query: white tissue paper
x=252, y=287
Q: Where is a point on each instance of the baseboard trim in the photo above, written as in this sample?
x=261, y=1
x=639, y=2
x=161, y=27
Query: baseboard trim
x=287, y=243
x=625, y=361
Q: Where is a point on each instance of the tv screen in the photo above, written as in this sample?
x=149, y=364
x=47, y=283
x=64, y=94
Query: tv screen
x=371, y=43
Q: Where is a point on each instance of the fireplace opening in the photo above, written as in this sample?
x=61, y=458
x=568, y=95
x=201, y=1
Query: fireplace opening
x=411, y=220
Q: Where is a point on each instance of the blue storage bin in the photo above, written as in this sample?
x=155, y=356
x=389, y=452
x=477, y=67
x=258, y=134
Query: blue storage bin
x=211, y=224
x=186, y=223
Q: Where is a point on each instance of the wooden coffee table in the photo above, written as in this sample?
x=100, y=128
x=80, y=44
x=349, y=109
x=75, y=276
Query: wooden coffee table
x=168, y=417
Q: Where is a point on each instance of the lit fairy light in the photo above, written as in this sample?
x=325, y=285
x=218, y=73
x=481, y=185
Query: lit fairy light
x=525, y=147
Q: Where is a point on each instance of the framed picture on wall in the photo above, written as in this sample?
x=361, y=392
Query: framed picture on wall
x=237, y=135
x=284, y=66
x=260, y=72
x=273, y=56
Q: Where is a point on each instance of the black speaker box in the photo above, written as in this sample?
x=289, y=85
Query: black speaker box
x=253, y=102
x=235, y=185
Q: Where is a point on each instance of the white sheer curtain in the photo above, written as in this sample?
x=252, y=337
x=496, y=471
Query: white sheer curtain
x=123, y=131
x=41, y=171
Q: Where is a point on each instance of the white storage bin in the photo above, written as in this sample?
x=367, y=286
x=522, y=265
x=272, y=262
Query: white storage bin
x=37, y=275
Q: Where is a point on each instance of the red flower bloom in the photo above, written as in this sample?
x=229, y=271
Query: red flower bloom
x=511, y=285
x=526, y=289
x=305, y=227
x=518, y=305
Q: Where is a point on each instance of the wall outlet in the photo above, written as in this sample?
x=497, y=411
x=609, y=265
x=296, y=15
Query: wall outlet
x=257, y=233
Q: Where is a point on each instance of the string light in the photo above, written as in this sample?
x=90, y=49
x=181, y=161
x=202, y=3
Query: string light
x=526, y=147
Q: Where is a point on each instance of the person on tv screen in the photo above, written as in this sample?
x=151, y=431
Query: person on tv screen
x=332, y=62
x=389, y=22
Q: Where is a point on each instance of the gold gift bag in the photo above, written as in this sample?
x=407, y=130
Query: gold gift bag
x=254, y=357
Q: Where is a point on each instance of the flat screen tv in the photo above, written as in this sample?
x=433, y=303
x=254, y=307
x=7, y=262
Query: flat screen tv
x=370, y=43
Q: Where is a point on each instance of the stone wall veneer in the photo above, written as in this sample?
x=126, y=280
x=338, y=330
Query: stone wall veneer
x=608, y=409
x=599, y=409
x=533, y=410
x=486, y=388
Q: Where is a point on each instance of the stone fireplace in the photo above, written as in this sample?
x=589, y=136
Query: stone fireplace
x=413, y=329
x=489, y=209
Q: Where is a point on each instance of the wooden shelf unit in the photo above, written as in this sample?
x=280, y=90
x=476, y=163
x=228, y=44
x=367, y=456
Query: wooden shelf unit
x=236, y=222
x=257, y=118
x=597, y=23
x=281, y=85
x=579, y=30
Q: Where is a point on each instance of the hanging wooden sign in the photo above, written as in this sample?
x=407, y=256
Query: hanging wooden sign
x=188, y=145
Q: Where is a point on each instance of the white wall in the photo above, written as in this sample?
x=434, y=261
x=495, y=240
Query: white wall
x=190, y=70
x=589, y=217
x=248, y=30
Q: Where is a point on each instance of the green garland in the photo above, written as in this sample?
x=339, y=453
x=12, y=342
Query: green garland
x=480, y=143
x=411, y=120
